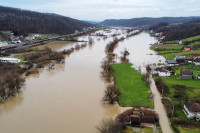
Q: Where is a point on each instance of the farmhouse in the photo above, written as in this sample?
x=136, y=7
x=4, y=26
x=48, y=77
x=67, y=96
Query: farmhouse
x=141, y=118
x=164, y=73
x=186, y=73
x=180, y=59
x=172, y=62
x=192, y=110
x=195, y=56
x=9, y=60
x=196, y=62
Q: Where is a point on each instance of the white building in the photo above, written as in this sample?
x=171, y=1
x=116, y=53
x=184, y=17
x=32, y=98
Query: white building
x=192, y=111
x=164, y=73
x=3, y=44
x=10, y=60
x=180, y=42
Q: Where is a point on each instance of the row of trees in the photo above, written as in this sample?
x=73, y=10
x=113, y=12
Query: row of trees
x=10, y=80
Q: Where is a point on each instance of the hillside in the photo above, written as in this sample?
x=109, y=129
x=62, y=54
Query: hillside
x=178, y=32
x=24, y=22
x=146, y=21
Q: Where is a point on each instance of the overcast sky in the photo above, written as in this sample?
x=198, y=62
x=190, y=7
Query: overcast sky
x=98, y=10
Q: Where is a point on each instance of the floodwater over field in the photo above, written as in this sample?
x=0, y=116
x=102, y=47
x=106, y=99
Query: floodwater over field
x=67, y=99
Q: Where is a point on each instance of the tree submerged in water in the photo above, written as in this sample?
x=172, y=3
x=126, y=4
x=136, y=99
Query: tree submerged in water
x=124, y=55
x=111, y=94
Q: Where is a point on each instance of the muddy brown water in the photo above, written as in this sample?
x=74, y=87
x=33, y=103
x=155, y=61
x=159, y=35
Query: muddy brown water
x=68, y=98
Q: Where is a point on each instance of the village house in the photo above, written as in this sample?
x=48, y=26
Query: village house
x=172, y=62
x=187, y=48
x=164, y=73
x=3, y=44
x=192, y=110
x=141, y=118
x=196, y=62
x=180, y=59
x=9, y=60
x=186, y=73
x=195, y=56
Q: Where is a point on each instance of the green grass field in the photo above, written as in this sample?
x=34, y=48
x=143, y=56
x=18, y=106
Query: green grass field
x=185, y=130
x=133, y=88
x=194, y=38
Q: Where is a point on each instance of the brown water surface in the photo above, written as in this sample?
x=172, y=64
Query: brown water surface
x=68, y=98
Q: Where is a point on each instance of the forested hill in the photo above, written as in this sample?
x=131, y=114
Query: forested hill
x=146, y=21
x=24, y=22
x=178, y=32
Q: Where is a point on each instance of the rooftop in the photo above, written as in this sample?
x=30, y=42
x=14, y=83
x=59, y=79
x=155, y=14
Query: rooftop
x=172, y=62
x=186, y=71
x=194, y=107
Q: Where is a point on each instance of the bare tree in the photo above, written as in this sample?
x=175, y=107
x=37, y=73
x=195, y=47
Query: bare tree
x=124, y=55
x=108, y=126
x=111, y=94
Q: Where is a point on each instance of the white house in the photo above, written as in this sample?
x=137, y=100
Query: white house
x=10, y=60
x=164, y=73
x=192, y=110
x=3, y=44
x=180, y=42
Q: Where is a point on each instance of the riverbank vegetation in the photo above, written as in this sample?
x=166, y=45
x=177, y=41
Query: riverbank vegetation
x=11, y=75
x=132, y=87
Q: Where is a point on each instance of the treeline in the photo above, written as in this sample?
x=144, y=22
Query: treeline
x=145, y=21
x=22, y=22
x=178, y=32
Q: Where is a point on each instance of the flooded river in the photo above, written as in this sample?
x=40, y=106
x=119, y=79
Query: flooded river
x=68, y=98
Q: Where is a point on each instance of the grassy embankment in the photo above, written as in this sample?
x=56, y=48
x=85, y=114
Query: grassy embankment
x=192, y=91
x=133, y=88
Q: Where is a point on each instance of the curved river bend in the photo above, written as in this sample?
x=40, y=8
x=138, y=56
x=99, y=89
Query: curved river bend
x=68, y=98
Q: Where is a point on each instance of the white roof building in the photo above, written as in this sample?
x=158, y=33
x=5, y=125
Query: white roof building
x=3, y=44
x=10, y=60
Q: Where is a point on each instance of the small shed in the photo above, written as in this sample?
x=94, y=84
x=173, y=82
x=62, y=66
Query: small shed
x=186, y=73
x=187, y=48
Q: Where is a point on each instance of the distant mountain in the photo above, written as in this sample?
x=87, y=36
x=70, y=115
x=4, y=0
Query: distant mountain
x=146, y=21
x=24, y=22
x=91, y=22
